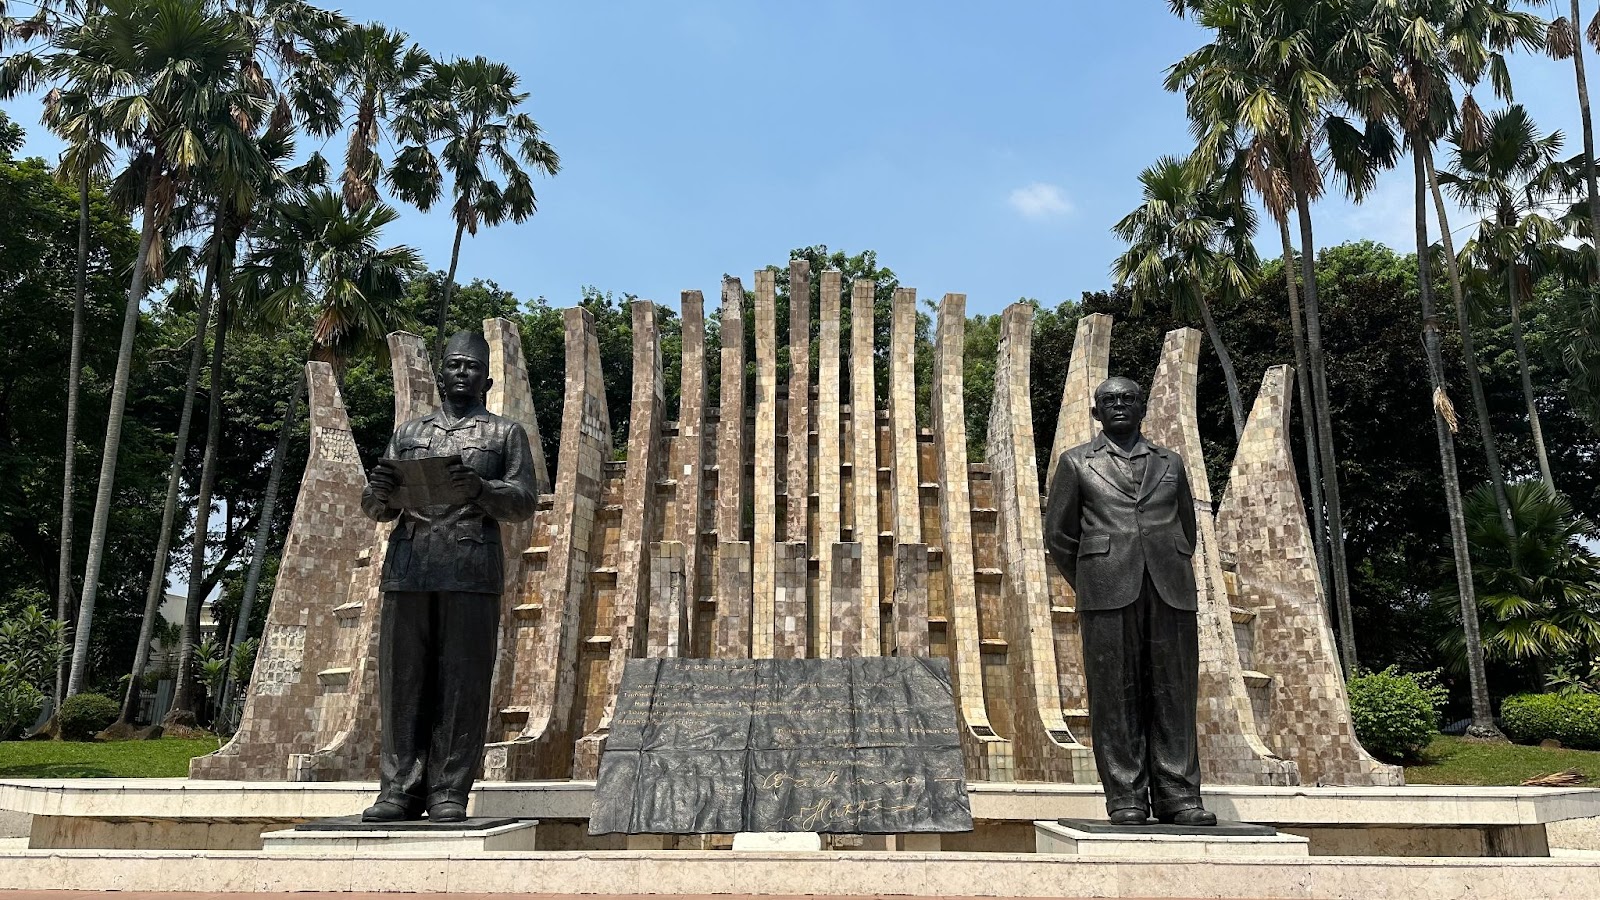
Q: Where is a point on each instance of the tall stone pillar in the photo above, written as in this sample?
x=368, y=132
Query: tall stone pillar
x=1044, y=745
x=641, y=508
x=864, y=460
x=797, y=485
x=988, y=756
x=764, y=542
x=732, y=632
x=909, y=597
x=829, y=495
x=1231, y=750
x=1299, y=699
x=326, y=537
x=537, y=684
x=671, y=629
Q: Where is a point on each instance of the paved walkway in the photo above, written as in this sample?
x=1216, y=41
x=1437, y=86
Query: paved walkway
x=92, y=895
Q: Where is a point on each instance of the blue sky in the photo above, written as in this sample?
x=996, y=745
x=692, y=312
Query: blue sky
x=984, y=149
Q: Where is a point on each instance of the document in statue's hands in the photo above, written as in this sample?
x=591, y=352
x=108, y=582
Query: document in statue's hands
x=425, y=482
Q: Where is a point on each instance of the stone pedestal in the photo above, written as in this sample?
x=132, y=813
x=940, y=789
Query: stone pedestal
x=783, y=841
x=351, y=835
x=1084, y=837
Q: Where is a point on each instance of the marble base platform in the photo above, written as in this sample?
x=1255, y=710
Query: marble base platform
x=1226, y=839
x=778, y=841
x=349, y=835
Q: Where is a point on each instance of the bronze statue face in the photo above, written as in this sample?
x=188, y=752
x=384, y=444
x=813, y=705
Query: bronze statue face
x=1119, y=406
x=464, y=378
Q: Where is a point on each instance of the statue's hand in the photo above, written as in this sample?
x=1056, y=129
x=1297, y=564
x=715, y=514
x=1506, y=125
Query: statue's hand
x=383, y=480
x=466, y=480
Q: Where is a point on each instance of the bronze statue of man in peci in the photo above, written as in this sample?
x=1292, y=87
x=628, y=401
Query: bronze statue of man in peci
x=1120, y=525
x=442, y=581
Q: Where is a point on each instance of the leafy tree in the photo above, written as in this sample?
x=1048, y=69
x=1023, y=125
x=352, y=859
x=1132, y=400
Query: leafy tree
x=471, y=106
x=372, y=67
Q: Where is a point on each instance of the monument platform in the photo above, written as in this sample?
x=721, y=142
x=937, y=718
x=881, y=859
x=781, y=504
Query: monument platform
x=1083, y=837
x=350, y=835
x=1422, y=820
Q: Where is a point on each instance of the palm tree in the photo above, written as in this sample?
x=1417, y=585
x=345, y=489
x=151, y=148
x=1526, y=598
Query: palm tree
x=1562, y=40
x=1539, y=591
x=1402, y=65
x=1263, y=80
x=151, y=69
x=372, y=67
x=1187, y=240
x=86, y=159
x=1510, y=174
x=471, y=106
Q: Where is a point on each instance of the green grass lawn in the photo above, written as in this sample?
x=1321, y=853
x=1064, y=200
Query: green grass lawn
x=166, y=758
x=1453, y=760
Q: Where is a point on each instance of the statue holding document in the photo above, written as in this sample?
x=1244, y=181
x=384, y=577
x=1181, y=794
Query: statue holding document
x=448, y=479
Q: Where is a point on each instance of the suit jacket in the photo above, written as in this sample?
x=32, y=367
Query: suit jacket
x=457, y=548
x=1104, y=536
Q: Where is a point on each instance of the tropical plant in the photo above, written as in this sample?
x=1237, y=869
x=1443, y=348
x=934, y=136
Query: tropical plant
x=471, y=107
x=1572, y=719
x=154, y=71
x=1510, y=174
x=372, y=67
x=1264, y=83
x=1561, y=41
x=1539, y=593
x=1396, y=714
x=83, y=716
x=1190, y=239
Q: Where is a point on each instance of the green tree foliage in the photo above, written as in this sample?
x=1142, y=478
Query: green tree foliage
x=31, y=644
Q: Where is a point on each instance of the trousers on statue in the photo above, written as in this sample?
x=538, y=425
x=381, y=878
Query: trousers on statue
x=1142, y=669
x=436, y=660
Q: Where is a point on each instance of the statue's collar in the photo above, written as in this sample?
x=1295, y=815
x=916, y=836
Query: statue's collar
x=440, y=419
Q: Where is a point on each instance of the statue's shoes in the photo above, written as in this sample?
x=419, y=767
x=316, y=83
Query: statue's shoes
x=1131, y=815
x=447, y=811
x=1193, y=817
x=388, y=811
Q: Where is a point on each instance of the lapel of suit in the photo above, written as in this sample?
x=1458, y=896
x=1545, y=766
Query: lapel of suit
x=1154, y=469
x=1100, y=464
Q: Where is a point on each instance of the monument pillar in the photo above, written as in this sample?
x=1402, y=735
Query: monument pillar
x=731, y=631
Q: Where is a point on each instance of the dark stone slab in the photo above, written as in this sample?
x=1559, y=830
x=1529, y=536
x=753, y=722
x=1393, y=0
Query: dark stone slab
x=354, y=823
x=1221, y=829
x=858, y=746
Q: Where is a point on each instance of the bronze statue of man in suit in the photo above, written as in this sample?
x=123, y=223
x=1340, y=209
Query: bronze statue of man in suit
x=1121, y=528
x=442, y=580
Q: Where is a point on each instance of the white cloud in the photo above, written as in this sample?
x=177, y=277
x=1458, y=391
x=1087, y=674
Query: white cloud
x=1040, y=200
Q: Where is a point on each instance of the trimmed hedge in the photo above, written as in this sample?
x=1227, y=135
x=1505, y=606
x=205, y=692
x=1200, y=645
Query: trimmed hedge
x=1396, y=713
x=1572, y=719
x=85, y=715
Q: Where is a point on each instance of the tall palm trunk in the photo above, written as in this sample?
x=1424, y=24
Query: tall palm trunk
x=1308, y=417
x=69, y=455
x=1482, y=713
x=1319, y=393
x=1588, y=132
x=1469, y=352
x=258, y=552
x=184, y=697
x=156, y=588
x=113, y=443
x=1227, y=368
x=1519, y=276
x=444, y=297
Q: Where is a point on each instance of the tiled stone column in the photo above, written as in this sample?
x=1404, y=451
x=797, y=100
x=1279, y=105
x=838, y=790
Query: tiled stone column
x=1262, y=525
x=764, y=542
x=988, y=756
x=640, y=509
x=1091, y=357
x=910, y=589
x=670, y=631
x=512, y=394
x=731, y=634
x=326, y=535
x=798, y=483
x=789, y=634
x=667, y=594
x=1231, y=750
x=849, y=599
x=829, y=496
x=864, y=460
x=539, y=688
x=1043, y=743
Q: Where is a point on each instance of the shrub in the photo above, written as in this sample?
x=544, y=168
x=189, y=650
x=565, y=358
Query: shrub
x=1573, y=719
x=20, y=704
x=1396, y=714
x=85, y=715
